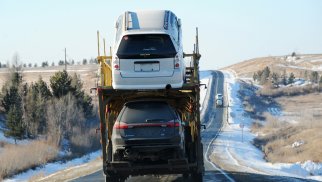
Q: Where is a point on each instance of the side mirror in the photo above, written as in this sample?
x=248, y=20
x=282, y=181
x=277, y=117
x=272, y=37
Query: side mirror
x=203, y=126
x=179, y=22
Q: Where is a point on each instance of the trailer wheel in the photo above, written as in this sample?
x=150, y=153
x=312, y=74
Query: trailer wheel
x=185, y=176
x=114, y=178
x=197, y=177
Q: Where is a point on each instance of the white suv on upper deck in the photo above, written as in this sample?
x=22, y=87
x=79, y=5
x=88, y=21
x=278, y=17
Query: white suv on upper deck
x=148, y=51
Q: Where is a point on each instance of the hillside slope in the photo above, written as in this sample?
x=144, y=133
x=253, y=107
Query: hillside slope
x=297, y=64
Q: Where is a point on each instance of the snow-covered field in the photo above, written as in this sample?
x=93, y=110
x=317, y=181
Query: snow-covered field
x=235, y=141
x=53, y=167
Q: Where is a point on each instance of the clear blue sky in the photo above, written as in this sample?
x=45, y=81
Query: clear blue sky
x=230, y=31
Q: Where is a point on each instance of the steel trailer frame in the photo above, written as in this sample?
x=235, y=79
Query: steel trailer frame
x=185, y=100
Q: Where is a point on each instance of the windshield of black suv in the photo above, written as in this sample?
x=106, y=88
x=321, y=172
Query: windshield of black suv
x=146, y=46
x=149, y=112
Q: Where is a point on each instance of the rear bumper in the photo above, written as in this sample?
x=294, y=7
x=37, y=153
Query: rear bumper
x=156, y=82
x=146, y=145
x=176, y=166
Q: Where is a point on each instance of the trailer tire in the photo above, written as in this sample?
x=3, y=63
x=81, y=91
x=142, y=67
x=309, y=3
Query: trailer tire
x=185, y=176
x=197, y=177
x=114, y=178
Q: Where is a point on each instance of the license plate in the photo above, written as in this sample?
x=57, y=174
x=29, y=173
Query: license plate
x=146, y=67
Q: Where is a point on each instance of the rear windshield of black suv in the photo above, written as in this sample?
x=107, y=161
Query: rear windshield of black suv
x=146, y=46
x=147, y=112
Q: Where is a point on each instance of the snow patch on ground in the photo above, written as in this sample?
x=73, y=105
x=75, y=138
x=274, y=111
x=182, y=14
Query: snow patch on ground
x=10, y=140
x=275, y=111
x=51, y=168
x=205, y=78
x=236, y=143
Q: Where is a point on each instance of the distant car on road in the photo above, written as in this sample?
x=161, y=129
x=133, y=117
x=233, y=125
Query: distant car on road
x=219, y=99
x=219, y=96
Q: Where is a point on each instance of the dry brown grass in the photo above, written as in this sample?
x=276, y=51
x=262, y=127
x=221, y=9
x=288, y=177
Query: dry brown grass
x=278, y=64
x=288, y=91
x=301, y=120
x=16, y=158
x=84, y=141
x=277, y=137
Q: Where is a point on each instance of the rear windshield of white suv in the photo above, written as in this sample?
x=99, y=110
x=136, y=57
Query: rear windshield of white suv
x=149, y=112
x=146, y=46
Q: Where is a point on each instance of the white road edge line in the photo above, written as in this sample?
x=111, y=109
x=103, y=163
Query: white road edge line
x=210, y=143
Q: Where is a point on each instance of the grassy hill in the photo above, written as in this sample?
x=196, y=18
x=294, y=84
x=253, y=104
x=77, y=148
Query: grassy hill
x=297, y=64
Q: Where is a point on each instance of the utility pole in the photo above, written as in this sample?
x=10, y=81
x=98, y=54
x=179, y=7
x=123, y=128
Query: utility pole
x=65, y=61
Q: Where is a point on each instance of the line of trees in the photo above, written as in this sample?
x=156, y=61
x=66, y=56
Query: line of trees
x=38, y=109
x=267, y=76
x=60, y=63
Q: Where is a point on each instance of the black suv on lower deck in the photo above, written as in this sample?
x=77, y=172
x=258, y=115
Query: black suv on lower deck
x=147, y=131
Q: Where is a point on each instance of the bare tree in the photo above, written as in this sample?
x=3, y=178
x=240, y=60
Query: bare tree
x=63, y=115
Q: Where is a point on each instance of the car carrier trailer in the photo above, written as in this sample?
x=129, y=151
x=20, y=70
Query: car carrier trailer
x=185, y=100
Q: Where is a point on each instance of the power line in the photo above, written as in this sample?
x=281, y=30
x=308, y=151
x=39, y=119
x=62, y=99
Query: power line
x=65, y=61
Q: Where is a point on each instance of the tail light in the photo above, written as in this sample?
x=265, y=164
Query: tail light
x=173, y=124
x=116, y=63
x=176, y=62
x=122, y=126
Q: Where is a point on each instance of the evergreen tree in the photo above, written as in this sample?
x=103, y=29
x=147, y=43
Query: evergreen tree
x=42, y=88
x=60, y=83
x=314, y=77
x=10, y=98
x=83, y=100
x=291, y=78
x=320, y=83
x=255, y=77
x=265, y=75
x=266, y=72
x=275, y=79
x=84, y=61
x=284, y=79
x=14, y=122
x=44, y=64
x=35, y=106
x=61, y=62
